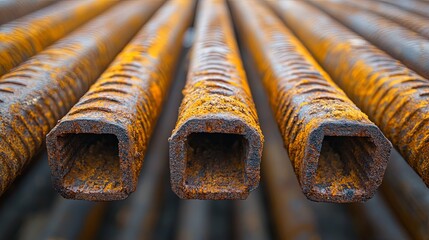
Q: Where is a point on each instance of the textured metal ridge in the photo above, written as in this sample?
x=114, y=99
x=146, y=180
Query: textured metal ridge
x=40, y=91
x=26, y=36
x=216, y=147
x=417, y=23
x=338, y=155
x=393, y=96
x=401, y=43
x=122, y=106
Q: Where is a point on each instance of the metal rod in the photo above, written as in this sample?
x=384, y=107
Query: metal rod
x=292, y=216
x=13, y=9
x=116, y=117
x=144, y=204
x=393, y=96
x=29, y=35
x=407, y=196
x=417, y=23
x=337, y=153
x=401, y=43
x=39, y=92
x=216, y=146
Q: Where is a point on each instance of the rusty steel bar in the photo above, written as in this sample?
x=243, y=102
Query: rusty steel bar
x=421, y=8
x=216, y=146
x=338, y=155
x=393, y=96
x=407, y=196
x=292, y=216
x=39, y=92
x=13, y=9
x=29, y=35
x=375, y=220
x=116, y=117
x=194, y=222
x=143, y=204
x=250, y=221
x=417, y=23
x=401, y=43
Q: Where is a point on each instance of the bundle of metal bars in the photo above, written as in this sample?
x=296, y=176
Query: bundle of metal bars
x=95, y=74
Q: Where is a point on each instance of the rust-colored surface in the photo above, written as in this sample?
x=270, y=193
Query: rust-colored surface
x=393, y=96
x=338, y=155
x=12, y=9
x=216, y=147
x=417, y=23
x=42, y=90
x=408, y=198
x=111, y=124
x=400, y=42
x=291, y=214
x=26, y=36
x=415, y=6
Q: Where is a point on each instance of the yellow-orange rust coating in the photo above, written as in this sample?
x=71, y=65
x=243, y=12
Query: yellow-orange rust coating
x=12, y=9
x=338, y=154
x=417, y=23
x=40, y=91
x=125, y=102
x=26, y=36
x=400, y=42
x=393, y=96
x=216, y=147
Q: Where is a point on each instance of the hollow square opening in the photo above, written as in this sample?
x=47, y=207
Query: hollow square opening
x=215, y=161
x=344, y=164
x=92, y=161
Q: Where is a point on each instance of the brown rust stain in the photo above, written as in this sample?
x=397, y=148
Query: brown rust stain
x=119, y=112
x=337, y=153
x=26, y=36
x=393, y=96
x=216, y=147
x=39, y=92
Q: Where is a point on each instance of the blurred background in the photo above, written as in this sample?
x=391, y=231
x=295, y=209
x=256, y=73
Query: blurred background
x=31, y=209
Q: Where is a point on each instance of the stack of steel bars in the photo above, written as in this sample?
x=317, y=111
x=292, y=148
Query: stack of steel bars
x=154, y=109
